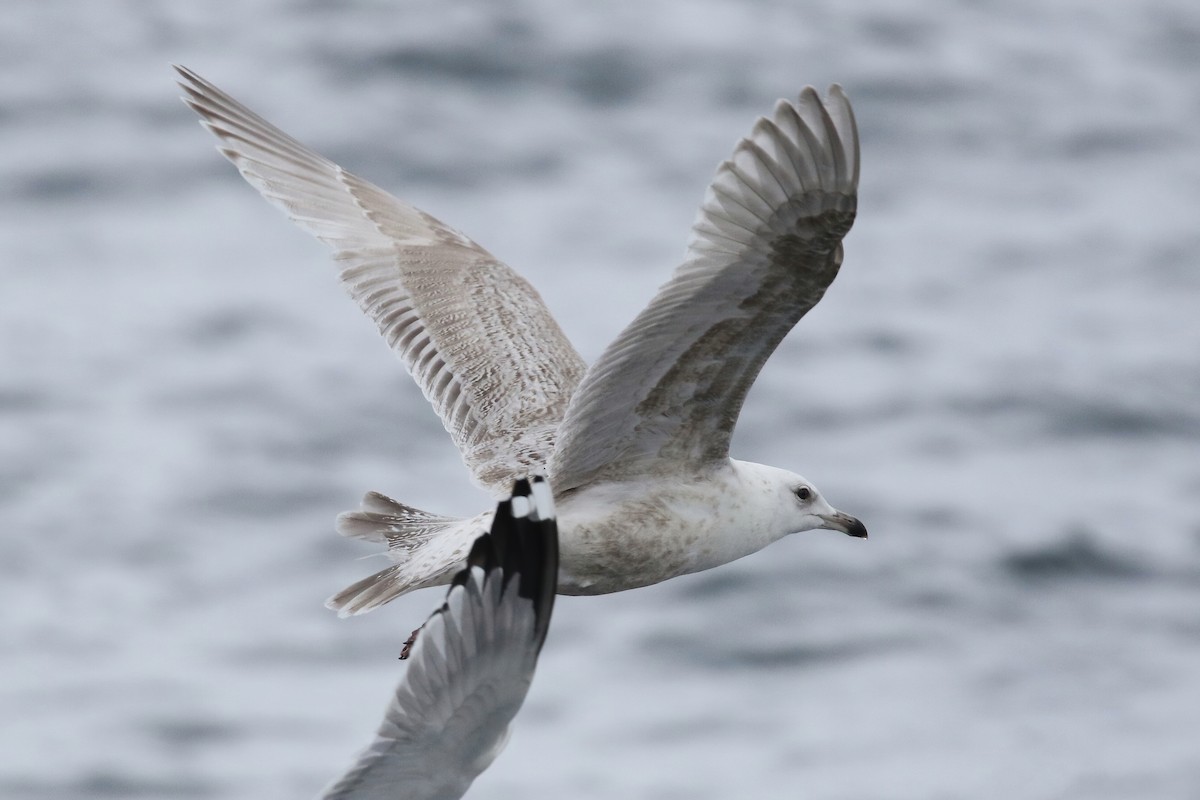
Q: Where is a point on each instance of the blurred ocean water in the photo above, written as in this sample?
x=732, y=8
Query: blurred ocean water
x=1004, y=383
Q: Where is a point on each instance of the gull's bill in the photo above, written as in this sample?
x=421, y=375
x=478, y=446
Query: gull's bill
x=470, y=665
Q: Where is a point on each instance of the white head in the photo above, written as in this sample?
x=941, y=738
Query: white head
x=798, y=504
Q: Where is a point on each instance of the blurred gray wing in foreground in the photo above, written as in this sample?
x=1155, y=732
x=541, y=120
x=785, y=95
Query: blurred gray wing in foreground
x=473, y=333
x=665, y=395
x=471, y=664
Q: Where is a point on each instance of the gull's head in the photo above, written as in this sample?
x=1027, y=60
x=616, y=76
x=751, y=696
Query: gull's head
x=799, y=506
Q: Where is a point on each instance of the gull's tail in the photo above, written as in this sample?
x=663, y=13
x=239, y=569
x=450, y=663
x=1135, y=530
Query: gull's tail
x=428, y=548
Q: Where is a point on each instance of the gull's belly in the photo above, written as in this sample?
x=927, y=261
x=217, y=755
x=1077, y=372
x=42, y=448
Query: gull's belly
x=631, y=552
x=614, y=538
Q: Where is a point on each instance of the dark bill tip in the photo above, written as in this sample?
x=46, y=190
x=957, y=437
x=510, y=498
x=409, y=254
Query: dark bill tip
x=845, y=523
x=856, y=529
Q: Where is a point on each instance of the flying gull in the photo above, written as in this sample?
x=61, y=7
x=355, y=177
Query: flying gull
x=470, y=665
x=637, y=445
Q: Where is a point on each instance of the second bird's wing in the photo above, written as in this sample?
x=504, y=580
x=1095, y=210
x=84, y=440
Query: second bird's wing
x=471, y=664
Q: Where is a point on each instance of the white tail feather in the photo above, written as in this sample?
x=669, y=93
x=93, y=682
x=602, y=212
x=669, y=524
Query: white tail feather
x=427, y=548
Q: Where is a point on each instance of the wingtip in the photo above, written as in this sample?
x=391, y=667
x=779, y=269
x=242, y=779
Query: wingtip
x=185, y=78
x=188, y=74
x=809, y=94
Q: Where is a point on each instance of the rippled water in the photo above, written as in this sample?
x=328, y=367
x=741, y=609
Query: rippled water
x=1004, y=383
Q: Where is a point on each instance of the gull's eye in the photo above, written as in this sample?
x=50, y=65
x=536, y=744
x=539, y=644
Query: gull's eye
x=804, y=493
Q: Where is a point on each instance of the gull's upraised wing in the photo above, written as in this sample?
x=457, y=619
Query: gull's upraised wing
x=765, y=247
x=474, y=334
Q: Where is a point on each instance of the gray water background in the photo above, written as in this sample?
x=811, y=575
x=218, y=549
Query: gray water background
x=1004, y=383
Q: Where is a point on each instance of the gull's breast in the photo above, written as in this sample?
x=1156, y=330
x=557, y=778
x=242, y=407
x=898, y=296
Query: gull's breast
x=624, y=535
